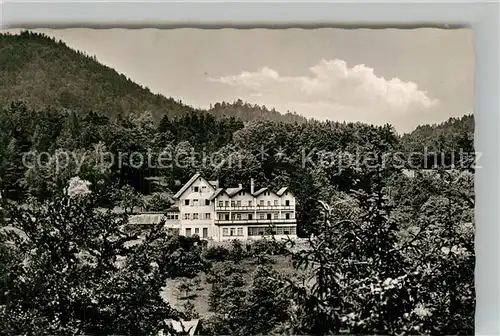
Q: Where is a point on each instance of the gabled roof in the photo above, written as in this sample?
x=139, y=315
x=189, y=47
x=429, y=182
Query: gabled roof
x=187, y=185
x=151, y=218
x=260, y=191
x=281, y=191
x=233, y=191
x=215, y=194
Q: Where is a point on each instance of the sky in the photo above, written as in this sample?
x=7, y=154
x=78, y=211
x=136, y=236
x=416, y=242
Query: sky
x=404, y=77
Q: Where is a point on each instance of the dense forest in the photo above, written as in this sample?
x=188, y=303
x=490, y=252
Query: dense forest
x=384, y=253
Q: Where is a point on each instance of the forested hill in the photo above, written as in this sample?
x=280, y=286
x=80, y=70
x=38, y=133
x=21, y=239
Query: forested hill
x=43, y=72
x=448, y=136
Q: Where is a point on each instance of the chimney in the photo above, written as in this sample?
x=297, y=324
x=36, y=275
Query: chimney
x=251, y=186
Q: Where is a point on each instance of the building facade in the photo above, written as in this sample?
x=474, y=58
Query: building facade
x=213, y=213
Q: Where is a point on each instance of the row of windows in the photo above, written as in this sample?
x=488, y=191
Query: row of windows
x=244, y=216
x=250, y=203
x=282, y=230
x=173, y=216
x=196, y=202
x=197, y=232
x=196, y=216
x=203, y=189
x=228, y=232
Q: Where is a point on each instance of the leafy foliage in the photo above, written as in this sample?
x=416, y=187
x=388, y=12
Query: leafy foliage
x=72, y=270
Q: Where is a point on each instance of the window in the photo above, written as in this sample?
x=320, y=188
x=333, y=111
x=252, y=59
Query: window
x=197, y=231
x=187, y=216
x=188, y=232
x=207, y=202
x=225, y=232
x=195, y=202
x=238, y=216
x=175, y=231
x=232, y=203
x=226, y=217
x=238, y=203
x=287, y=216
x=232, y=232
x=287, y=203
x=268, y=202
x=249, y=203
x=227, y=203
x=261, y=216
x=221, y=204
x=261, y=203
x=275, y=202
x=255, y=231
x=240, y=231
x=221, y=217
x=207, y=215
x=205, y=232
x=195, y=216
x=196, y=189
x=275, y=215
x=250, y=216
x=172, y=216
x=186, y=202
x=268, y=216
x=204, y=189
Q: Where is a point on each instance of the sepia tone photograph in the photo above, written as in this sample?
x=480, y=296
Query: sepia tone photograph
x=237, y=181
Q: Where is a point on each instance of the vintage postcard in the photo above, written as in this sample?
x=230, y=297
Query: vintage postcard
x=237, y=181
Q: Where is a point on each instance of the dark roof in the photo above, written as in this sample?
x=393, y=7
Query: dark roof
x=173, y=209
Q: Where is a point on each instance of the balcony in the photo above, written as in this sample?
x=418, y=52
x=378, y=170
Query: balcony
x=254, y=221
x=254, y=207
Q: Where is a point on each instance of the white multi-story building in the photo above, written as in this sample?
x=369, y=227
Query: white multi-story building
x=204, y=209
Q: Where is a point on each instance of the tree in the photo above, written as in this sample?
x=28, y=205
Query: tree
x=75, y=271
x=129, y=198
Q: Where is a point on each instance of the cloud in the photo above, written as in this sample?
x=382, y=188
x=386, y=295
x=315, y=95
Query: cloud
x=333, y=89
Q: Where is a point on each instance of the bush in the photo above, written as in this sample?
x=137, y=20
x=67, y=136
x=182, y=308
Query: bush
x=237, y=253
x=271, y=247
x=216, y=253
x=263, y=259
x=222, y=270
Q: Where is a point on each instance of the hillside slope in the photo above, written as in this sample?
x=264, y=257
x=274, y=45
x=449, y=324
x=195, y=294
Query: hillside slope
x=449, y=136
x=43, y=72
